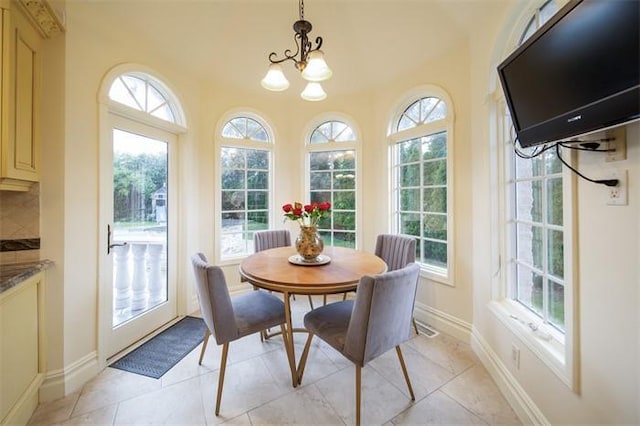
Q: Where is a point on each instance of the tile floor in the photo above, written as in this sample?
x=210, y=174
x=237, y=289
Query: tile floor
x=450, y=385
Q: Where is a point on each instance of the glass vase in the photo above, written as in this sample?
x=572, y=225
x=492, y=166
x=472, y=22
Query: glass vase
x=309, y=243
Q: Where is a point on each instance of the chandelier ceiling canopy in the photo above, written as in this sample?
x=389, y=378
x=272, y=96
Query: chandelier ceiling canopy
x=307, y=59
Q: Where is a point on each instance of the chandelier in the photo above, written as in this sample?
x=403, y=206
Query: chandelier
x=310, y=63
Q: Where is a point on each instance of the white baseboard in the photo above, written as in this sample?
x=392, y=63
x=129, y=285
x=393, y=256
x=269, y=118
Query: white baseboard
x=522, y=404
x=60, y=383
x=442, y=321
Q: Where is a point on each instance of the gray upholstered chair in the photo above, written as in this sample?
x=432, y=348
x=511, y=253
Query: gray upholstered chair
x=397, y=251
x=263, y=240
x=229, y=319
x=378, y=320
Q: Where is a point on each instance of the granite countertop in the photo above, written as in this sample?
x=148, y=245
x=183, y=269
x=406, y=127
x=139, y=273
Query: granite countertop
x=12, y=274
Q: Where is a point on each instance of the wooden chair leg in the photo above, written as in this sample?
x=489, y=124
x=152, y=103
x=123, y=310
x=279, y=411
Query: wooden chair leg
x=303, y=357
x=415, y=326
x=207, y=333
x=223, y=365
x=404, y=371
x=310, y=302
x=358, y=392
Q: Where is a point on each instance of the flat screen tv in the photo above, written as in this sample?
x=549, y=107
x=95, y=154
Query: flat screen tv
x=578, y=73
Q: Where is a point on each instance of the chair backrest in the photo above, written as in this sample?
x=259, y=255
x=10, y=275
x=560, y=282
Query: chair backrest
x=263, y=240
x=396, y=250
x=215, y=302
x=382, y=313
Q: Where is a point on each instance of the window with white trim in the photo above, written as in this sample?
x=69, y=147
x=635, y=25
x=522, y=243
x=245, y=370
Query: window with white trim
x=144, y=93
x=245, y=182
x=333, y=178
x=421, y=179
x=537, y=281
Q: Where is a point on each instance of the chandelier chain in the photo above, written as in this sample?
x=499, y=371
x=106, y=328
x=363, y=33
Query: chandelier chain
x=301, y=7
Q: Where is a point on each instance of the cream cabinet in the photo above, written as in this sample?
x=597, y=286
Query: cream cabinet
x=22, y=358
x=20, y=104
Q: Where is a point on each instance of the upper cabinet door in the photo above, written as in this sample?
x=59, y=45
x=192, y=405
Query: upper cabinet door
x=21, y=47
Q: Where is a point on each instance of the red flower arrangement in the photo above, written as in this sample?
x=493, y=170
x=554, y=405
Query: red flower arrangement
x=308, y=214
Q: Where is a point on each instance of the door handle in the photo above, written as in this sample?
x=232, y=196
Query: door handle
x=109, y=245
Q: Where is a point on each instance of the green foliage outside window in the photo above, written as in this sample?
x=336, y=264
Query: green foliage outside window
x=135, y=178
x=422, y=192
x=332, y=178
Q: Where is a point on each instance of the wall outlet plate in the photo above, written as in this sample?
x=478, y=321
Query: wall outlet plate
x=618, y=145
x=617, y=195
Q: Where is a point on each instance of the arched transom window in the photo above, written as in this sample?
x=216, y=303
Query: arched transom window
x=144, y=93
x=332, y=131
x=245, y=128
x=422, y=111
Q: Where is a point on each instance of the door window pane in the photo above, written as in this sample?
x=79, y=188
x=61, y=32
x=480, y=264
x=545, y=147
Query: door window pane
x=140, y=218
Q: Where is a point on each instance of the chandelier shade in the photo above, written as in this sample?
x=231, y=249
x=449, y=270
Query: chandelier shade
x=313, y=92
x=307, y=59
x=275, y=79
x=316, y=69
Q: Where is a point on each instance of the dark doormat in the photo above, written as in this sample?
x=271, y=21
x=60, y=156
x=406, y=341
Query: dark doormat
x=158, y=355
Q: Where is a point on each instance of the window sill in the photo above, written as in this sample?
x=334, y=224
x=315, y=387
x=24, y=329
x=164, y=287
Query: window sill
x=543, y=341
x=438, y=275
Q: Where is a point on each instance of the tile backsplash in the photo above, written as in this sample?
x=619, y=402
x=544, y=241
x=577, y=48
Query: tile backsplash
x=19, y=225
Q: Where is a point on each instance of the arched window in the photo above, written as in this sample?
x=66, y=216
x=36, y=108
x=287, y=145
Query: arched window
x=245, y=182
x=421, y=145
x=537, y=234
x=332, y=165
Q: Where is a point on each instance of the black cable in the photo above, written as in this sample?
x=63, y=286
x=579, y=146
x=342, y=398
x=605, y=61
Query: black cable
x=586, y=147
x=607, y=182
x=537, y=150
x=557, y=145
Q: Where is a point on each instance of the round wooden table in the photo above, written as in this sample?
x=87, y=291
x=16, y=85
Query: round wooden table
x=271, y=270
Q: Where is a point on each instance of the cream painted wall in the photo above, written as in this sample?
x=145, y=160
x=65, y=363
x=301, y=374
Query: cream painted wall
x=608, y=278
x=52, y=209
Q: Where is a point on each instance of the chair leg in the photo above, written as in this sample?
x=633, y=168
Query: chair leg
x=207, y=333
x=223, y=365
x=358, y=393
x=415, y=326
x=404, y=371
x=303, y=357
x=310, y=302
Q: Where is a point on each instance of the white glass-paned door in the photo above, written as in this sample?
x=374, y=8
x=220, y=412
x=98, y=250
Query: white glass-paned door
x=138, y=200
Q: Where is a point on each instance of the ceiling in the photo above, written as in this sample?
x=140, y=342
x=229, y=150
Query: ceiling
x=366, y=42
